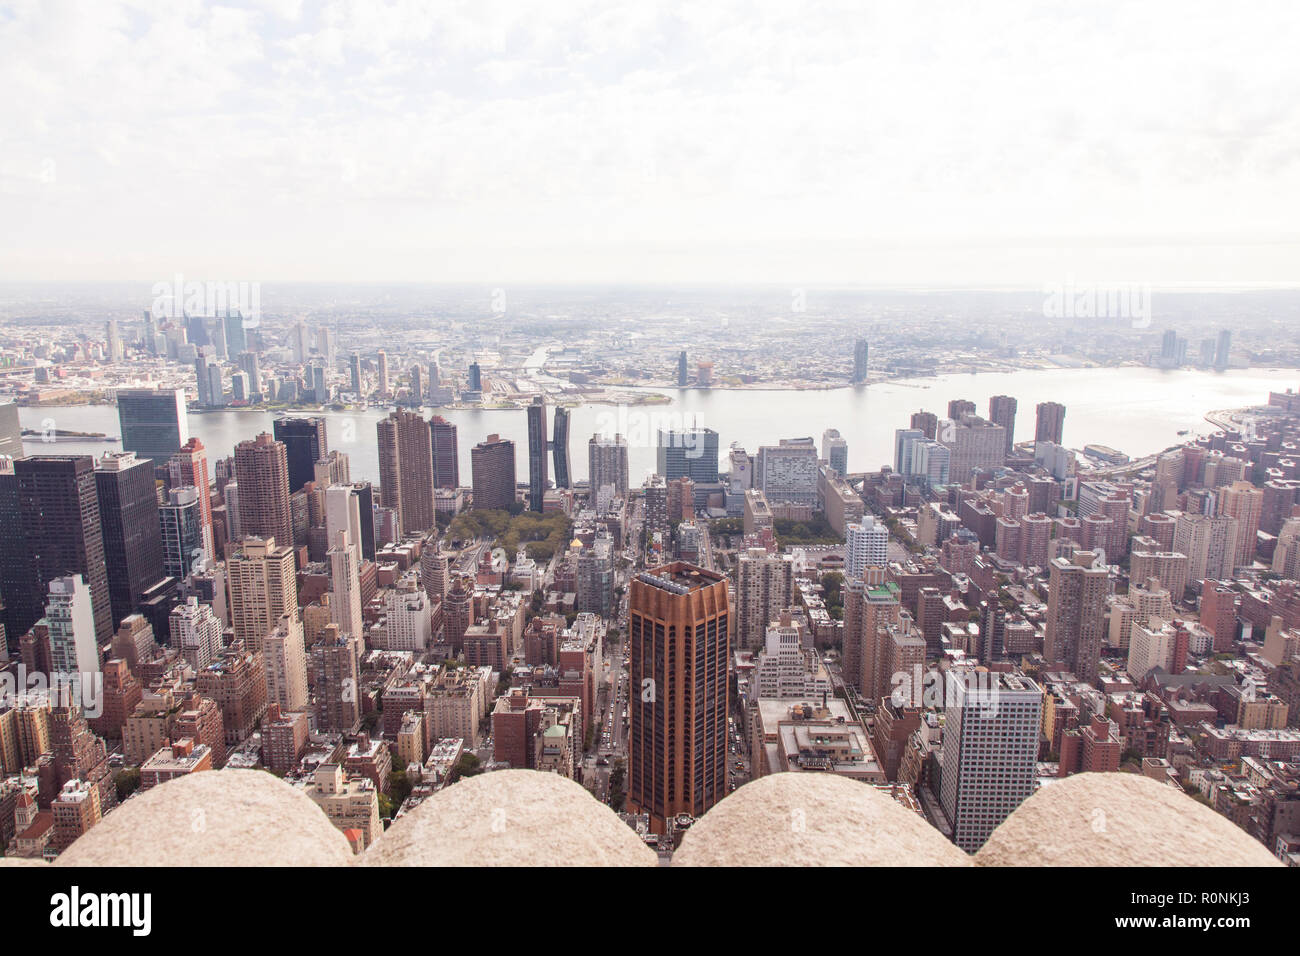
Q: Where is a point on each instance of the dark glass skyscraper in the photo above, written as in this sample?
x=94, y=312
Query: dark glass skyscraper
x=560, y=449
x=681, y=369
x=688, y=453
x=860, y=362
x=128, y=508
x=537, y=476
x=57, y=533
x=446, y=463
x=153, y=423
x=305, y=443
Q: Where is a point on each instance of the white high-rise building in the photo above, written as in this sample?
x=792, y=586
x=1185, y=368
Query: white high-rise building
x=786, y=669
x=990, y=750
x=342, y=513
x=74, y=651
x=345, y=585
x=408, y=618
x=196, y=633
x=1150, y=644
x=285, y=657
x=867, y=547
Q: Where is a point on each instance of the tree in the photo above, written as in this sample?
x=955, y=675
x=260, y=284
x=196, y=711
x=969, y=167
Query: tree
x=467, y=766
x=617, y=778
x=127, y=781
x=399, y=786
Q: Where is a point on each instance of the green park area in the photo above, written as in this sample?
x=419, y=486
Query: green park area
x=541, y=534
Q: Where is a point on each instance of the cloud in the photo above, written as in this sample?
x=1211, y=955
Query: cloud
x=368, y=139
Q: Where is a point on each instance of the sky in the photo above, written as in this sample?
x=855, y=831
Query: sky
x=862, y=143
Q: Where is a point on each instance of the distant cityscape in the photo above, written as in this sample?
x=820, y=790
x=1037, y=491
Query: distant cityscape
x=374, y=638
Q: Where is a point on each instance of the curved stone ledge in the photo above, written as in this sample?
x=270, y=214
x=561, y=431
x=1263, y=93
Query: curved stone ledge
x=510, y=818
x=527, y=818
x=803, y=819
x=219, y=818
x=1118, y=819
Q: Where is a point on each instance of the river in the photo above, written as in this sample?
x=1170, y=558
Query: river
x=1136, y=410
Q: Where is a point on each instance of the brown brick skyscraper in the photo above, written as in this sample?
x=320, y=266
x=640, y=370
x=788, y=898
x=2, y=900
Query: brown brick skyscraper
x=677, y=739
x=262, y=470
x=406, y=470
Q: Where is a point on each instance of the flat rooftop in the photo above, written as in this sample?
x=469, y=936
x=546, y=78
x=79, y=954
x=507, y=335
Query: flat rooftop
x=679, y=577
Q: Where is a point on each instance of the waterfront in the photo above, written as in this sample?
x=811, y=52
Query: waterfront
x=1136, y=410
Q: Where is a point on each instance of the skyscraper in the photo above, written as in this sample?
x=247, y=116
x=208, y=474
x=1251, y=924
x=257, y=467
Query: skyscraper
x=682, y=378
x=263, y=586
x=342, y=513
x=58, y=532
x=1245, y=502
x=475, y=378
x=678, y=623
x=1050, y=422
x=867, y=547
x=606, y=466
x=972, y=443
x=153, y=423
x=285, y=658
x=189, y=466
x=335, y=676
x=860, y=362
x=764, y=588
x=787, y=473
x=492, y=470
x=990, y=749
x=182, y=532
x=381, y=360
x=446, y=453
x=114, y=337
x=406, y=470
x=305, y=443
x=688, y=453
x=345, y=587
x=262, y=471
x=1223, y=349
x=128, y=511
x=537, y=479
x=74, y=650
x=354, y=368
x=1076, y=609
x=1002, y=411
x=560, y=449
